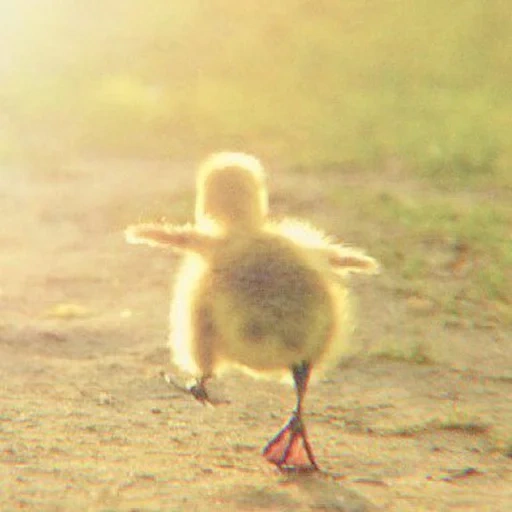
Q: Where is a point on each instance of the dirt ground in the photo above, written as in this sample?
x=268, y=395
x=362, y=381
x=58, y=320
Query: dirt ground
x=88, y=423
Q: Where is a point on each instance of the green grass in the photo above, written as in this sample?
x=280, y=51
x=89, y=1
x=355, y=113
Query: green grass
x=483, y=227
x=300, y=82
x=423, y=228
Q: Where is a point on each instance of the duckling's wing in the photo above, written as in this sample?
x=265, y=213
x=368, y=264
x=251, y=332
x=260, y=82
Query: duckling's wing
x=345, y=260
x=340, y=258
x=179, y=238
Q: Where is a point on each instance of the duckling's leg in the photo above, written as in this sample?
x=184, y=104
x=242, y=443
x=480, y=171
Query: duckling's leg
x=199, y=391
x=290, y=450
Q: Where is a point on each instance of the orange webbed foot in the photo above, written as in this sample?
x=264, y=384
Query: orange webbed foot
x=290, y=450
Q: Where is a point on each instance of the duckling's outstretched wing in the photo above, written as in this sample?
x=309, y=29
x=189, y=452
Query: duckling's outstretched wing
x=346, y=260
x=179, y=238
x=340, y=258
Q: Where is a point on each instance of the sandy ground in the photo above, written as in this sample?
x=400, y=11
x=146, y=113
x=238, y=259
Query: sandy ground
x=87, y=422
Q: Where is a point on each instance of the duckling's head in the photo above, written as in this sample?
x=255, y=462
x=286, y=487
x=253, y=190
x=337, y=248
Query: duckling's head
x=231, y=190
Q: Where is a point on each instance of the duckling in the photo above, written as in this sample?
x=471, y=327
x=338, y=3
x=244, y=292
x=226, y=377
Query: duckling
x=255, y=294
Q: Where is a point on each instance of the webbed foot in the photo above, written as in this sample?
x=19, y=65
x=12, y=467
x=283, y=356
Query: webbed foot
x=290, y=450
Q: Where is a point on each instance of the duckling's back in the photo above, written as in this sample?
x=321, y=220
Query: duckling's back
x=270, y=304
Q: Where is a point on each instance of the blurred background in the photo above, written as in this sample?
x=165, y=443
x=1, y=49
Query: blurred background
x=305, y=82
x=393, y=118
